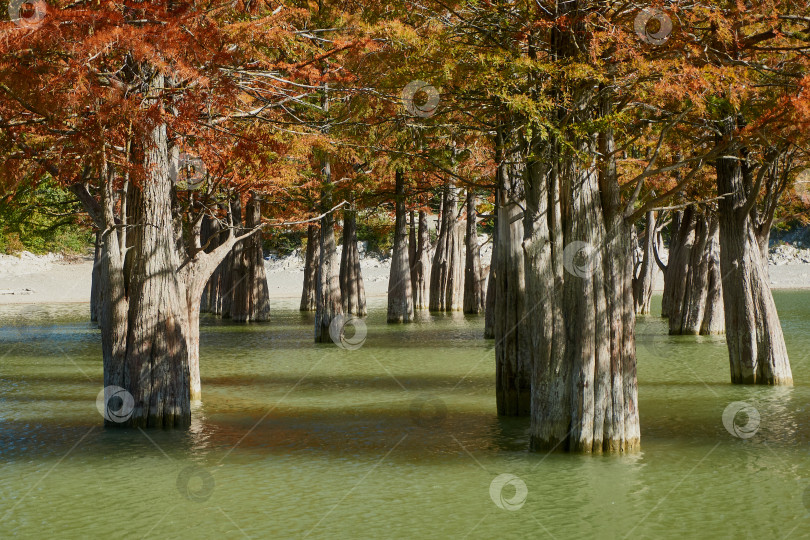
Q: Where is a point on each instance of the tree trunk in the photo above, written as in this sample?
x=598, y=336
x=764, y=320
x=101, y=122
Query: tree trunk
x=513, y=352
x=95, y=285
x=756, y=347
x=693, y=310
x=489, y=316
x=446, y=274
x=311, y=264
x=400, y=296
x=251, y=296
x=351, y=278
x=643, y=280
x=421, y=265
x=669, y=270
x=328, y=303
x=473, y=275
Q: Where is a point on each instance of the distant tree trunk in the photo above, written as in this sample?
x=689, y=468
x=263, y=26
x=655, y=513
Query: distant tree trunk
x=352, y=289
x=95, y=286
x=412, y=245
x=513, y=354
x=669, y=269
x=446, y=274
x=328, y=302
x=251, y=295
x=473, y=275
x=400, y=296
x=644, y=277
x=234, y=274
x=693, y=310
x=489, y=316
x=311, y=263
x=421, y=265
x=756, y=346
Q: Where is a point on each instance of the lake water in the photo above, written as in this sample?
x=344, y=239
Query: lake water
x=396, y=439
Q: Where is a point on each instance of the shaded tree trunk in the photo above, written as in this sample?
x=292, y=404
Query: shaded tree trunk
x=251, y=295
x=352, y=289
x=420, y=269
x=95, y=286
x=311, y=263
x=513, y=353
x=669, y=269
x=489, y=315
x=446, y=273
x=473, y=275
x=645, y=276
x=400, y=296
x=756, y=346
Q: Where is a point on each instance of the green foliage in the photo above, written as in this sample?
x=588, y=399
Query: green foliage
x=42, y=217
x=283, y=242
x=378, y=231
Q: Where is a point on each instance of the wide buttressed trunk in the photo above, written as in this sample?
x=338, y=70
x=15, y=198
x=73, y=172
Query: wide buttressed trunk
x=155, y=365
x=474, y=277
x=351, y=278
x=695, y=302
x=513, y=355
x=756, y=346
x=250, y=296
x=400, y=296
x=311, y=262
x=447, y=273
x=579, y=269
x=420, y=265
x=328, y=302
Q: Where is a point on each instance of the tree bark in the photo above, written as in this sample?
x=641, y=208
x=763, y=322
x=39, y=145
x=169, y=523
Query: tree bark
x=328, y=302
x=756, y=346
x=251, y=295
x=489, y=316
x=644, y=278
x=352, y=289
x=446, y=274
x=400, y=296
x=311, y=264
x=473, y=275
x=669, y=269
x=421, y=265
x=95, y=285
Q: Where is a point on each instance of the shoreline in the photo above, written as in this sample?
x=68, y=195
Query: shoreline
x=50, y=279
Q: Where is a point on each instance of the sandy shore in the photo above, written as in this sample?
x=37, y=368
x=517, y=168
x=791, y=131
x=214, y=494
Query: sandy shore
x=52, y=279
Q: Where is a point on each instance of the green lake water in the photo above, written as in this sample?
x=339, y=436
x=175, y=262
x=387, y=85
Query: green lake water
x=396, y=439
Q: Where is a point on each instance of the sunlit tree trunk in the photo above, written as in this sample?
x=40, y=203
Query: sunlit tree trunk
x=311, y=263
x=489, y=315
x=446, y=273
x=756, y=346
x=644, y=277
x=400, y=297
x=328, y=302
x=420, y=271
x=251, y=295
x=352, y=289
x=473, y=276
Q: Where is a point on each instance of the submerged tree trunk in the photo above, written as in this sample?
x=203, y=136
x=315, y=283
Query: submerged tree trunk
x=95, y=285
x=473, y=275
x=756, y=346
x=695, y=303
x=400, y=296
x=311, y=263
x=669, y=269
x=489, y=315
x=513, y=354
x=251, y=296
x=352, y=289
x=328, y=302
x=644, y=278
x=447, y=274
x=421, y=265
